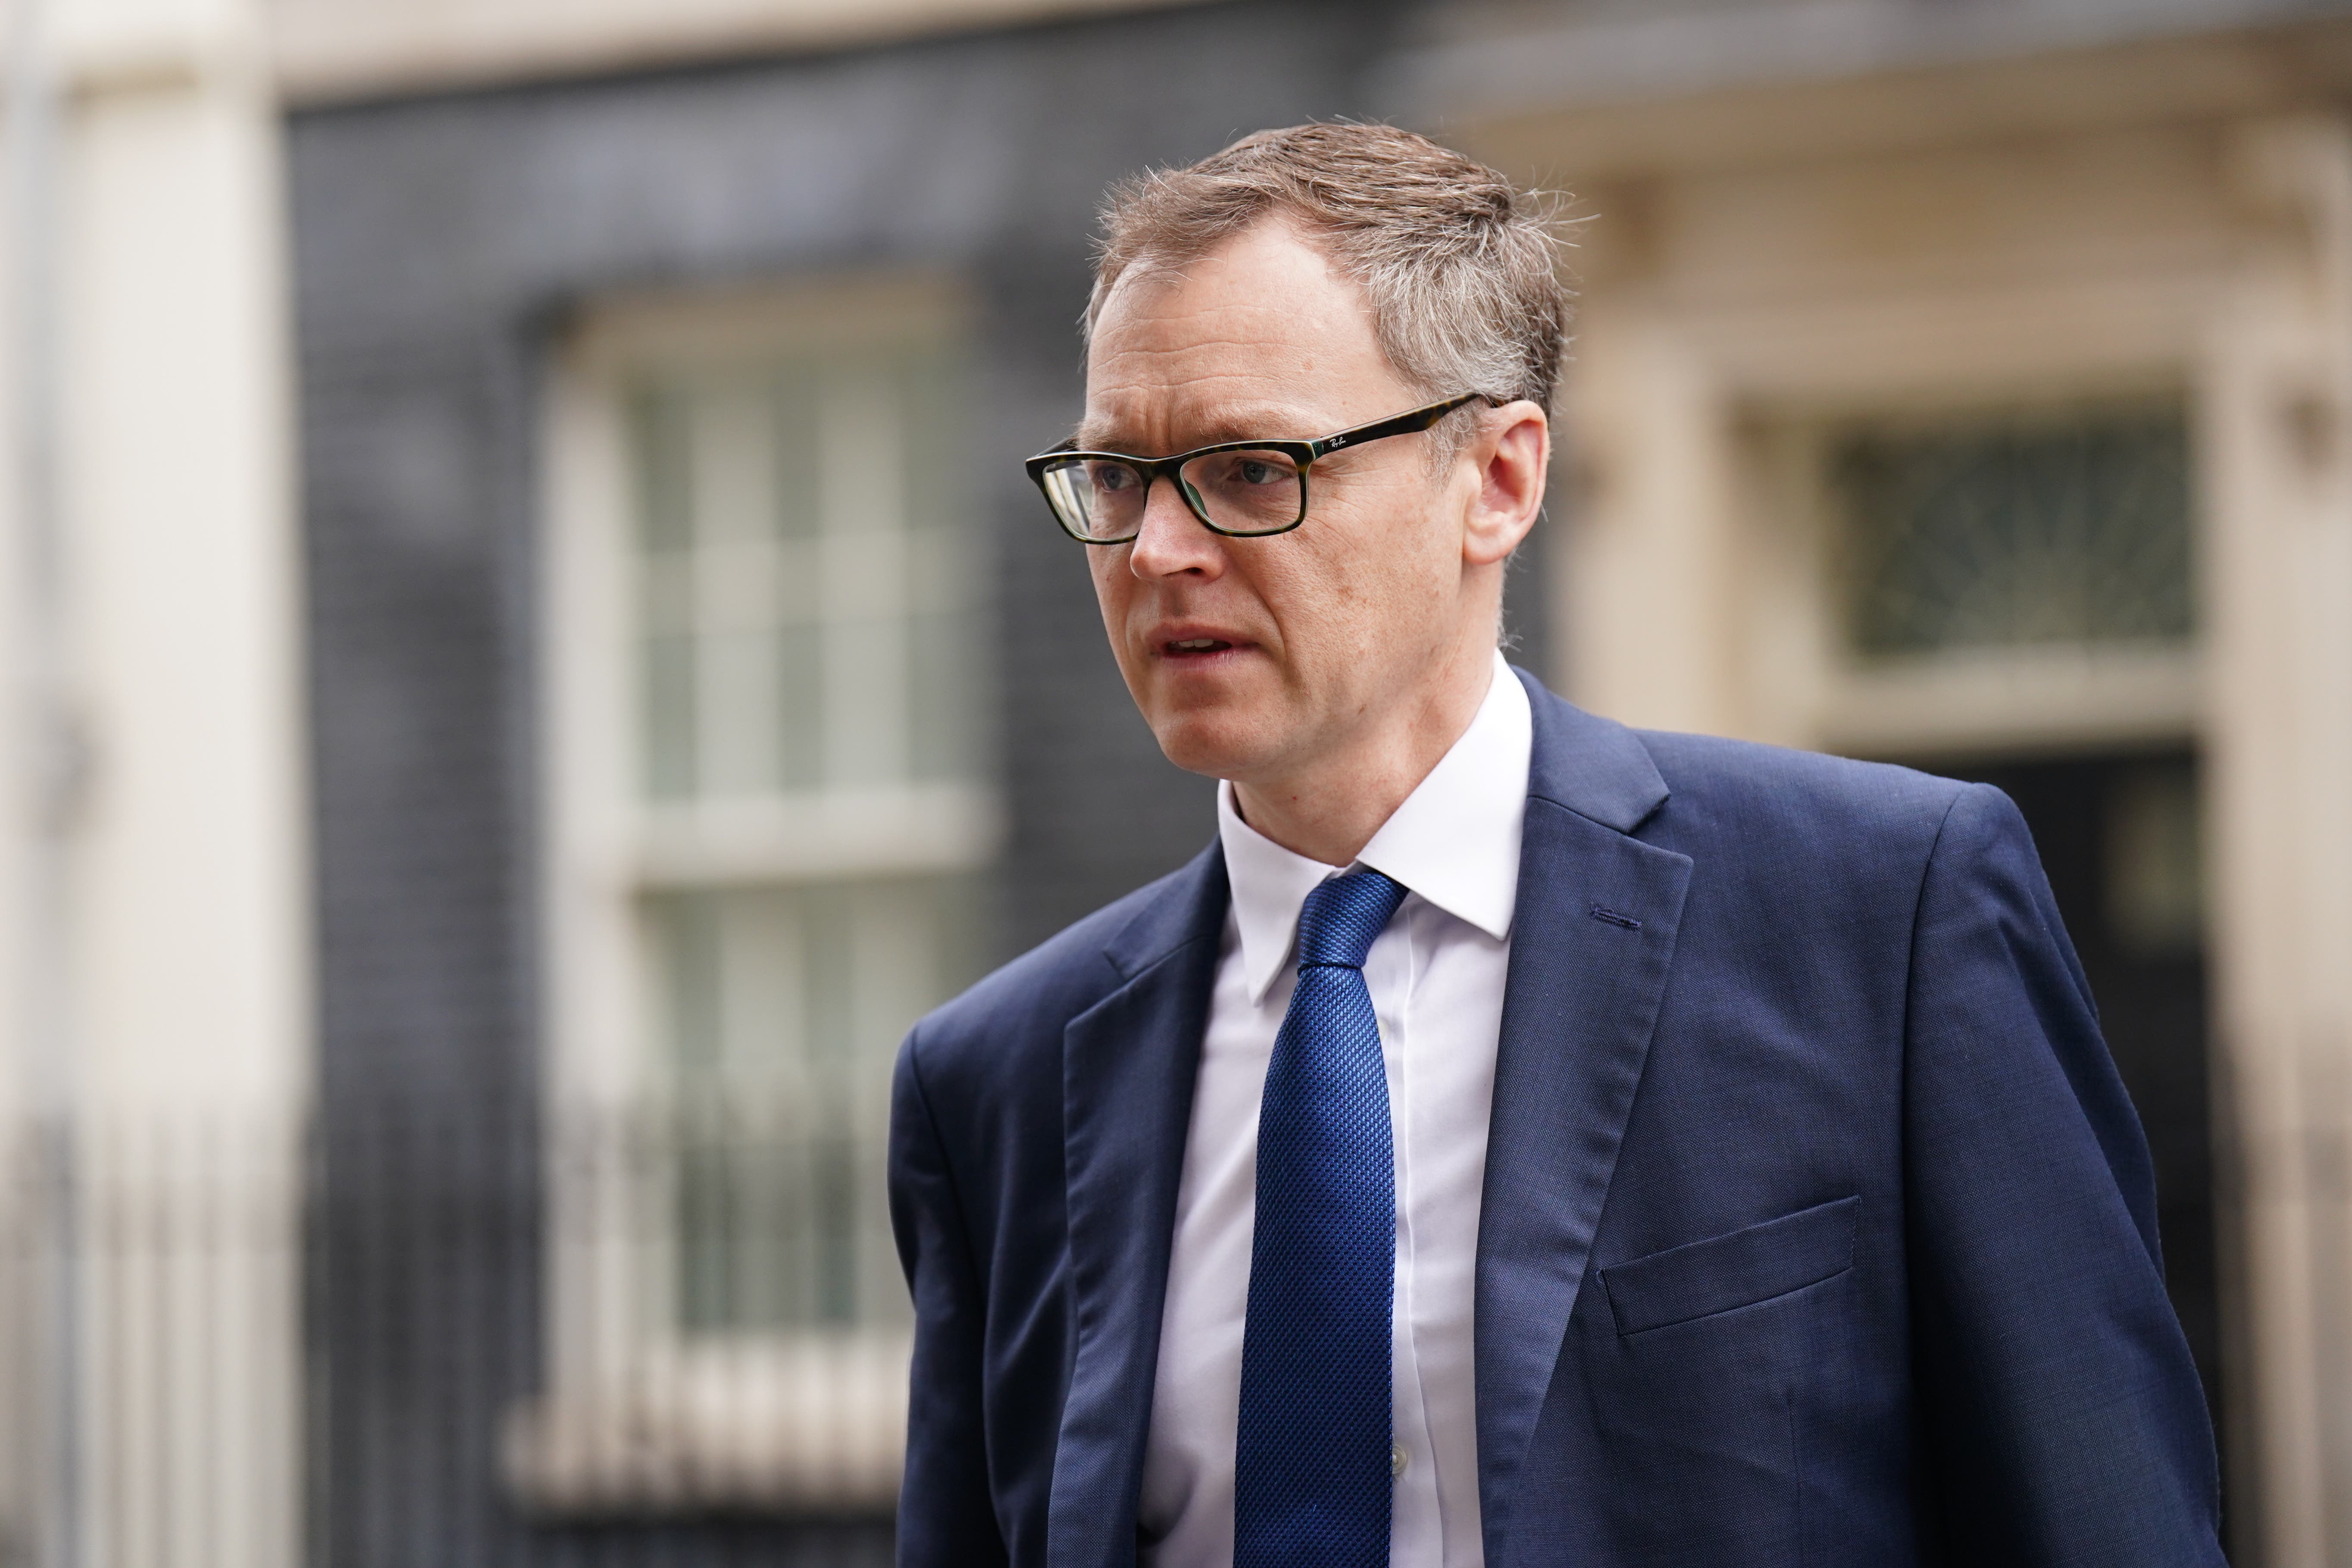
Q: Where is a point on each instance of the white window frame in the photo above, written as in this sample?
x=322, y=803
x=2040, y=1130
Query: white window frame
x=1997, y=698
x=1693, y=421
x=638, y=1416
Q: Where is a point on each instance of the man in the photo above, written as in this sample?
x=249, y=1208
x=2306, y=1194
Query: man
x=1518, y=1138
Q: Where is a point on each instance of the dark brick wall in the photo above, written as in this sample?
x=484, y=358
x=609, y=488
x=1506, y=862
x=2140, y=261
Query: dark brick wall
x=439, y=244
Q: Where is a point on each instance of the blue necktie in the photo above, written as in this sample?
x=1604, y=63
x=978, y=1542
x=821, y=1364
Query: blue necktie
x=1312, y=1486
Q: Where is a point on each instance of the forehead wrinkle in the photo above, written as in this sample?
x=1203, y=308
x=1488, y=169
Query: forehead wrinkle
x=1209, y=425
x=1279, y=397
x=1246, y=343
x=1239, y=352
x=1176, y=320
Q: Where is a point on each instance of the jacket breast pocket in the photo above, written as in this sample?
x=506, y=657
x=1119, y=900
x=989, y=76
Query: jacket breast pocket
x=1739, y=1269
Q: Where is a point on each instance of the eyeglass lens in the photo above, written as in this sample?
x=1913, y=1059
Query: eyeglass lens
x=1240, y=492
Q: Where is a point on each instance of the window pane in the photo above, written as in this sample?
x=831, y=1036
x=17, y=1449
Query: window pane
x=667, y=672
x=2154, y=859
x=784, y=1007
x=803, y=591
x=803, y=586
x=800, y=704
x=665, y=496
x=795, y=425
x=931, y=387
x=733, y=443
x=865, y=703
x=942, y=724
x=737, y=686
x=1992, y=533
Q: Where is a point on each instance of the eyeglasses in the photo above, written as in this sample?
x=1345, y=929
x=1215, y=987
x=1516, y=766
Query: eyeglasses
x=1242, y=489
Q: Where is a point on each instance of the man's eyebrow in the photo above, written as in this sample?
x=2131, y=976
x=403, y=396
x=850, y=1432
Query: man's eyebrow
x=1265, y=424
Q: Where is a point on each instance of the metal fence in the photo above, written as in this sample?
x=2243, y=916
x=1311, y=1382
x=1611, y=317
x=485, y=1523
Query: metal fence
x=448, y=1336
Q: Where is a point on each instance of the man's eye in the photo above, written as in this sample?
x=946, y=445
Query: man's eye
x=1257, y=473
x=1112, y=477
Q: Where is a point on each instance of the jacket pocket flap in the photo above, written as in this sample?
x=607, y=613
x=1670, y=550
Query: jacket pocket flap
x=1722, y=1272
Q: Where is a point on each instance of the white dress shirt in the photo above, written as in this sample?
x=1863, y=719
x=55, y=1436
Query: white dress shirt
x=1436, y=979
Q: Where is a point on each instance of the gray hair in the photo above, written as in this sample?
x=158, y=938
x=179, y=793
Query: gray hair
x=1460, y=268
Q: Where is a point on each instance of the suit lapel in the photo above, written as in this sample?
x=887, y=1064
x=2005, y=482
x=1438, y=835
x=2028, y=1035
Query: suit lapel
x=1129, y=1067
x=1591, y=940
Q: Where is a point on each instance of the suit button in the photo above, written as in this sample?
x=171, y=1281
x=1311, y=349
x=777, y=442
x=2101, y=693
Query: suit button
x=1398, y=1458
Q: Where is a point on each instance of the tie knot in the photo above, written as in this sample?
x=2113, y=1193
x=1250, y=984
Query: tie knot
x=1342, y=915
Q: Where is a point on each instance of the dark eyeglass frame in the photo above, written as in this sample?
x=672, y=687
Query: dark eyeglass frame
x=1302, y=453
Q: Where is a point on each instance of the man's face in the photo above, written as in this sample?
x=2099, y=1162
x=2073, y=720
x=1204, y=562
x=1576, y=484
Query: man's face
x=1253, y=660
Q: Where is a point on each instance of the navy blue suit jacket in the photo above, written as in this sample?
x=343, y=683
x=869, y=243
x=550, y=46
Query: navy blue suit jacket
x=1818, y=1228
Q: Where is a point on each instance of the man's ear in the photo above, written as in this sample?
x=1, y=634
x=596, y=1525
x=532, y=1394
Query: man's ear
x=1513, y=454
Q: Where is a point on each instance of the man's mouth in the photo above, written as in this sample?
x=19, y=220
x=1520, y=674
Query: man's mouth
x=1192, y=647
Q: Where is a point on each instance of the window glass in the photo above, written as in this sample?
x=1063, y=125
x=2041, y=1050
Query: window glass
x=2066, y=527
x=802, y=591
x=783, y=1006
x=803, y=640
x=2154, y=859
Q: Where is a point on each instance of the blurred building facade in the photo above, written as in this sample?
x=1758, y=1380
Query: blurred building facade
x=1966, y=387
x=569, y=665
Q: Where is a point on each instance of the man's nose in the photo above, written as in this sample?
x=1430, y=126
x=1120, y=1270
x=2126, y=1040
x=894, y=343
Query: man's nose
x=1172, y=542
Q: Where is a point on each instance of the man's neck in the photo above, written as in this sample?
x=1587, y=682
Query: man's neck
x=1329, y=811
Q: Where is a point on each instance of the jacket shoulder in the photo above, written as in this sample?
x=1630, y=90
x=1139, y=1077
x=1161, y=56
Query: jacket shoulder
x=1022, y=1006
x=1805, y=801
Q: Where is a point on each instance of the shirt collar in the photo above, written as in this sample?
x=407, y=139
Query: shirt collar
x=1455, y=840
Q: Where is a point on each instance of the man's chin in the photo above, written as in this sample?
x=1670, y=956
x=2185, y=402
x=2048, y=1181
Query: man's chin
x=1218, y=745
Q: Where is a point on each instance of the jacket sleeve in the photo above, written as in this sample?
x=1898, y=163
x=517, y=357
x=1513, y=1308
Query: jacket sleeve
x=945, y=1514
x=2060, y=1417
